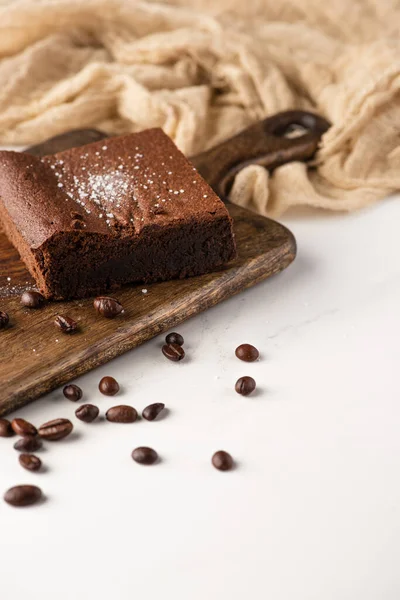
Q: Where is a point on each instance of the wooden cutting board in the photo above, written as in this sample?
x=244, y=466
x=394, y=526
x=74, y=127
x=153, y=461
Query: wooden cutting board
x=36, y=357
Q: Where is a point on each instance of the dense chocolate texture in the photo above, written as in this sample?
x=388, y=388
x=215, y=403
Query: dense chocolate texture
x=126, y=209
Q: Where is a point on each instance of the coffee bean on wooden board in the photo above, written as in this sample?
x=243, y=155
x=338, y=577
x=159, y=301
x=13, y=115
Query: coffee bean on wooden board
x=54, y=430
x=108, y=307
x=152, y=411
x=144, y=455
x=72, y=392
x=245, y=385
x=32, y=299
x=65, y=324
x=4, y=319
x=247, y=352
x=28, y=443
x=30, y=462
x=222, y=460
x=121, y=414
x=174, y=338
x=23, y=495
x=109, y=386
x=22, y=427
x=6, y=430
x=87, y=413
x=173, y=352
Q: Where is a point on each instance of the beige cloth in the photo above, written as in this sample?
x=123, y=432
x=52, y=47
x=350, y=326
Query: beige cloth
x=205, y=69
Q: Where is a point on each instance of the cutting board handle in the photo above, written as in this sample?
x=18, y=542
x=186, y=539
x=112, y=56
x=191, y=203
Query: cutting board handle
x=288, y=136
x=270, y=143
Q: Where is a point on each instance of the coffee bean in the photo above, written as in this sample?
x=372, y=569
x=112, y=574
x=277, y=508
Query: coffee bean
x=72, y=392
x=87, y=413
x=30, y=462
x=5, y=428
x=222, y=461
x=22, y=427
x=245, y=385
x=152, y=411
x=4, y=319
x=174, y=338
x=32, y=299
x=28, y=443
x=109, y=386
x=121, y=414
x=173, y=352
x=108, y=307
x=247, y=352
x=23, y=495
x=66, y=324
x=144, y=455
x=57, y=429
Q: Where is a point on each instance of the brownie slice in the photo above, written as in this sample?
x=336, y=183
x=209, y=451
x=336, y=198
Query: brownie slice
x=127, y=209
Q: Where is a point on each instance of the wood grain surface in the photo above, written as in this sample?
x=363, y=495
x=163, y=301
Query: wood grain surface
x=36, y=357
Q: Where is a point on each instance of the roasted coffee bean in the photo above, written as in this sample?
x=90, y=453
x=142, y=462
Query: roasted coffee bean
x=72, y=392
x=121, y=414
x=222, y=461
x=144, y=455
x=174, y=338
x=109, y=386
x=108, y=307
x=23, y=495
x=30, y=462
x=28, y=443
x=5, y=428
x=152, y=411
x=245, y=385
x=66, y=324
x=4, y=319
x=87, y=413
x=173, y=352
x=22, y=427
x=57, y=429
x=32, y=299
x=247, y=352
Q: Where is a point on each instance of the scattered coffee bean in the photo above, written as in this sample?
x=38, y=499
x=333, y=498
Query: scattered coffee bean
x=247, y=352
x=23, y=495
x=32, y=299
x=174, y=338
x=173, y=352
x=108, y=307
x=30, y=462
x=109, y=386
x=87, y=413
x=152, y=411
x=245, y=385
x=72, y=392
x=4, y=319
x=144, y=455
x=57, y=429
x=22, y=427
x=66, y=324
x=28, y=443
x=222, y=461
x=121, y=414
x=5, y=428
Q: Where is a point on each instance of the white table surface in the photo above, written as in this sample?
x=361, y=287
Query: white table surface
x=312, y=511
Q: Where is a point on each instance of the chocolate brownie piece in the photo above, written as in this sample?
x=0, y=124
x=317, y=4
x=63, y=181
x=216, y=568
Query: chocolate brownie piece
x=127, y=209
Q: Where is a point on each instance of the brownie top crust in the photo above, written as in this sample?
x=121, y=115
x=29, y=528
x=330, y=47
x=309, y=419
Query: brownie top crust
x=117, y=187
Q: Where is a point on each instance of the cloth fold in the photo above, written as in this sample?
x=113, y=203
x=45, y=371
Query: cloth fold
x=205, y=69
